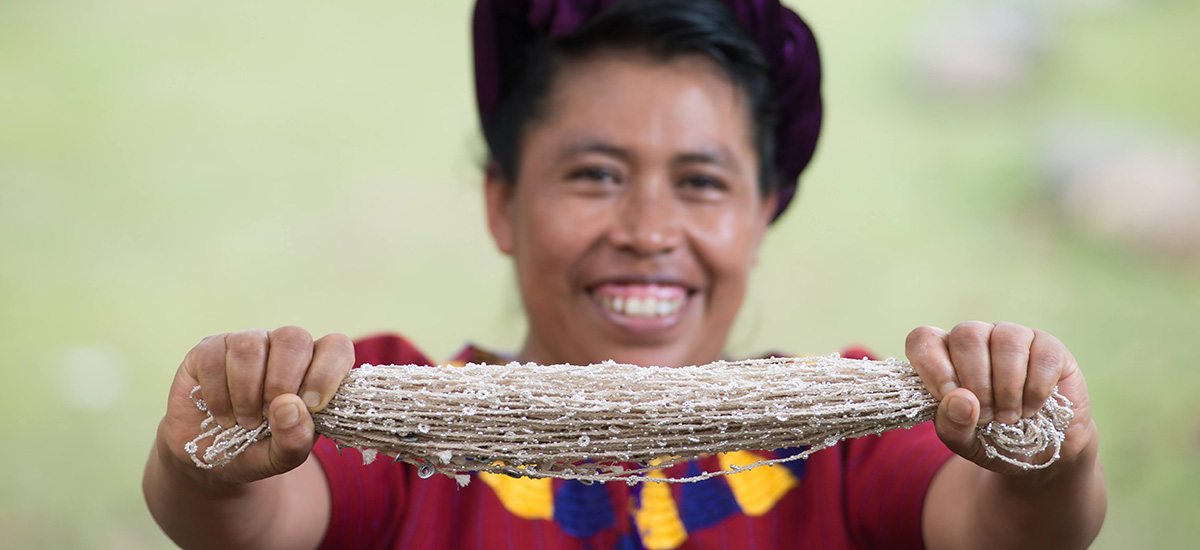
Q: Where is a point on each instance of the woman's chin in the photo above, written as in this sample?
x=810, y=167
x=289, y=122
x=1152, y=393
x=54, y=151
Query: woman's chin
x=662, y=357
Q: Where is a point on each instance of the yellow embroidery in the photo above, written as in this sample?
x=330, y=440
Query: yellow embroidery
x=658, y=518
x=756, y=490
x=527, y=498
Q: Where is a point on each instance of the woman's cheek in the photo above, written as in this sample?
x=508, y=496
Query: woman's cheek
x=573, y=224
x=726, y=241
x=727, y=248
x=561, y=230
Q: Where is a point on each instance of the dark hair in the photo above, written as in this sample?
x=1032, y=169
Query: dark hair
x=663, y=29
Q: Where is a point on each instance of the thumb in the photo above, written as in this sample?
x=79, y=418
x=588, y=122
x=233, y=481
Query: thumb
x=957, y=415
x=291, y=432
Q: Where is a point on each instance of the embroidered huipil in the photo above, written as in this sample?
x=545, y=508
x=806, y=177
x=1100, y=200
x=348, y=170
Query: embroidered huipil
x=863, y=493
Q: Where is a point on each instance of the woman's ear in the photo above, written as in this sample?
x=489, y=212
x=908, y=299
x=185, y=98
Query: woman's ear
x=498, y=194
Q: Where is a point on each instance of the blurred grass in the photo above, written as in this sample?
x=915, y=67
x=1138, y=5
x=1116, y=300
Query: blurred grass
x=170, y=170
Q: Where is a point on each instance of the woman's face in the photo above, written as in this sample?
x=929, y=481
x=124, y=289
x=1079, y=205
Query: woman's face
x=636, y=216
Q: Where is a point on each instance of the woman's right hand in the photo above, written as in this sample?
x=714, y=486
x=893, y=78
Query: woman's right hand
x=283, y=374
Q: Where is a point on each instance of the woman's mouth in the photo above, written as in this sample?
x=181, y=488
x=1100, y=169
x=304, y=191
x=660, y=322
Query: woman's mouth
x=644, y=301
x=641, y=307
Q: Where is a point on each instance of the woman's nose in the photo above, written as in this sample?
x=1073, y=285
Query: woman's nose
x=648, y=220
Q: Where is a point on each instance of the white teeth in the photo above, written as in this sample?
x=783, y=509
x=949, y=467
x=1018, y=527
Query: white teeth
x=635, y=306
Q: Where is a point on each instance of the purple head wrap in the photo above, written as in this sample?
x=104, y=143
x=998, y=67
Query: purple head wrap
x=502, y=29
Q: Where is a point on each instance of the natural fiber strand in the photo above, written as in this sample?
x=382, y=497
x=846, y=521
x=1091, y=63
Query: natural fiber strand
x=613, y=421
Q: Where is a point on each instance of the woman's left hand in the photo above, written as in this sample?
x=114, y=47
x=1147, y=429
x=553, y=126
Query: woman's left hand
x=979, y=372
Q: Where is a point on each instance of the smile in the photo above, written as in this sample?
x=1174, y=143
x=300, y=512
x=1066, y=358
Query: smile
x=642, y=307
x=641, y=301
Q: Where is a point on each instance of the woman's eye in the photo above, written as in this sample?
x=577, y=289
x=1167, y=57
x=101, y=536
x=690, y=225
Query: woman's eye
x=596, y=174
x=704, y=183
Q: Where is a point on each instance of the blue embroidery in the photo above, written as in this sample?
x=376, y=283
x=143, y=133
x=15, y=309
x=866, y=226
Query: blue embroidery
x=798, y=467
x=705, y=503
x=583, y=510
x=628, y=541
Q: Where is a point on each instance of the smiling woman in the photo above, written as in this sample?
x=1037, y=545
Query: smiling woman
x=633, y=176
x=634, y=219
x=639, y=152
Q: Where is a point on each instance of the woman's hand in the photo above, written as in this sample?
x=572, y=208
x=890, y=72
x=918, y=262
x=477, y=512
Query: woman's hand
x=980, y=372
x=282, y=374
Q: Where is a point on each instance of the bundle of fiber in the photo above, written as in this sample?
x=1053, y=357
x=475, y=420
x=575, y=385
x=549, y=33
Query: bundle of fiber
x=612, y=421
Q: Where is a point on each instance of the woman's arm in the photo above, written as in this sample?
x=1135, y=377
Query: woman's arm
x=275, y=494
x=290, y=510
x=982, y=372
x=971, y=507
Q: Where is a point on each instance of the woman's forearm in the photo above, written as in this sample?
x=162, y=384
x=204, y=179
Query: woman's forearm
x=285, y=511
x=972, y=507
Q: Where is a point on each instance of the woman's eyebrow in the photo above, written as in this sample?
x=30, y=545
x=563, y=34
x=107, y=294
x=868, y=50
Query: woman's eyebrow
x=716, y=155
x=580, y=147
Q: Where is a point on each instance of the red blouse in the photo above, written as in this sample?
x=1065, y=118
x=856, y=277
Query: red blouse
x=863, y=493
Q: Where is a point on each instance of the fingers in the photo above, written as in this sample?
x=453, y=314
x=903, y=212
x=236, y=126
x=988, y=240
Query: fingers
x=926, y=350
x=291, y=433
x=245, y=366
x=333, y=356
x=1048, y=358
x=1010, y=349
x=240, y=372
x=1003, y=372
x=291, y=351
x=957, y=416
x=988, y=360
x=971, y=355
x=206, y=363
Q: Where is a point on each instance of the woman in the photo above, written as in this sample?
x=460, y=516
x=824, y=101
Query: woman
x=638, y=154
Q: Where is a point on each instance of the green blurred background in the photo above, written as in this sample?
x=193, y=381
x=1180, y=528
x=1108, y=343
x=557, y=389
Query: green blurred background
x=171, y=170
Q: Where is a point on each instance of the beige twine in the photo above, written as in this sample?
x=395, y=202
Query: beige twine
x=613, y=421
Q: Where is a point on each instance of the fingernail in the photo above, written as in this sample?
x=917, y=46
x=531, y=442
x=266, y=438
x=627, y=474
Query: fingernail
x=312, y=399
x=1028, y=412
x=248, y=422
x=1007, y=417
x=959, y=410
x=947, y=388
x=288, y=415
